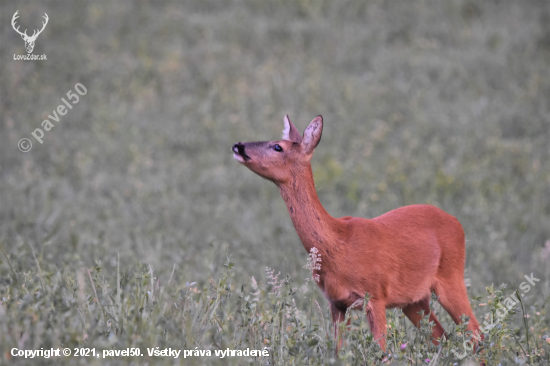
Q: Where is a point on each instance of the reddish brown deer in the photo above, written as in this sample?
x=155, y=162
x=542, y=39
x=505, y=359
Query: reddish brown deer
x=399, y=258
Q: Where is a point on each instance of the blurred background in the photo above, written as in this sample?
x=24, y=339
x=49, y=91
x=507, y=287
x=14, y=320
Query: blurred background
x=445, y=103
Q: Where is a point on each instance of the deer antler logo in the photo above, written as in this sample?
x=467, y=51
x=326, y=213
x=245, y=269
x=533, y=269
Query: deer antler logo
x=29, y=41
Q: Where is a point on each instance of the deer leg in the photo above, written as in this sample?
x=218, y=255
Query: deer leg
x=412, y=311
x=454, y=299
x=338, y=316
x=376, y=314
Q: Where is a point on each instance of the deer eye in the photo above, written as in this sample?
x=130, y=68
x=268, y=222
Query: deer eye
x=278, y=148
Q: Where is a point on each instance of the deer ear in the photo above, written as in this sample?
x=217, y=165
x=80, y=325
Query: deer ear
x=290, y=132
x=312, y=135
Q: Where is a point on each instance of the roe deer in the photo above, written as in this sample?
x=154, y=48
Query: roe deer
x=399, y=258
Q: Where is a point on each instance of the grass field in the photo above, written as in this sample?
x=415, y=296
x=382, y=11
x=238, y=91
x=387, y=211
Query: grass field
x=132, y=226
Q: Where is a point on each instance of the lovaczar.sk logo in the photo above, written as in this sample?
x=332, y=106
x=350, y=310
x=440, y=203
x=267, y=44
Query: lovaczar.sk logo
x=29, y=40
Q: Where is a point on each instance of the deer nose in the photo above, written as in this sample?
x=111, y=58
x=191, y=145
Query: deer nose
x=238, y=148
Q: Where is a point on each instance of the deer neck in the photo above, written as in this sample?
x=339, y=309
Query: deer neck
x=314, y=225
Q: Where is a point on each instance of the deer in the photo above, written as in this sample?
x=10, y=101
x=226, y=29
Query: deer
x=398, y=258
x=29, y=41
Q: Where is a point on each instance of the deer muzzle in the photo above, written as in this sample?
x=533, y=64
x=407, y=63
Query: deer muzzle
x=239, y=154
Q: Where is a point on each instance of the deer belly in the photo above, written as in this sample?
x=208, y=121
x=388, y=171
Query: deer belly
x=406, y=287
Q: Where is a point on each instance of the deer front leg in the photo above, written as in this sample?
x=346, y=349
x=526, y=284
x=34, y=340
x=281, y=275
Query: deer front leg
x=338, y=315
x=376, y=314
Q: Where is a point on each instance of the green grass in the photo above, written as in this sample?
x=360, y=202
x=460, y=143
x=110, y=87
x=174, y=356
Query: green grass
x=134, y=194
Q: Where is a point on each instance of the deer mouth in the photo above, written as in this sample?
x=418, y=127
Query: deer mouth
x=239, y=154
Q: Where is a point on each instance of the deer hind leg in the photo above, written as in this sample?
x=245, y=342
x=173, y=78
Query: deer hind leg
x=454, y=298
x=412, y=311
x=376, y=314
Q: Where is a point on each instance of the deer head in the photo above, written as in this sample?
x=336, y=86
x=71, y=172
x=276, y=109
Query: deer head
x=29, y=41
x=279, y=161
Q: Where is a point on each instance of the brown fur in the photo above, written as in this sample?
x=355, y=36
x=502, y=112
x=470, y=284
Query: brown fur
x=399, y=258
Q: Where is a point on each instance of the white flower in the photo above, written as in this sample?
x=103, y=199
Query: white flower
x=314, y=263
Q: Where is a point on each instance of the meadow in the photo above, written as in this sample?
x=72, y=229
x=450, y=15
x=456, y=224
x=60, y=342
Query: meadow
x=132, y=226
